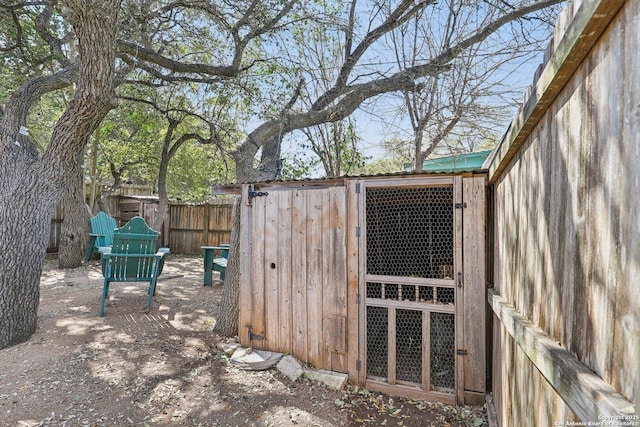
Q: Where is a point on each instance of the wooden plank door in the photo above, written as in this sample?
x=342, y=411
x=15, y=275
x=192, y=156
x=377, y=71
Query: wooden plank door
x=293, y=281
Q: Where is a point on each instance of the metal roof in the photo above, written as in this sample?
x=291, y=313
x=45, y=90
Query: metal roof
x=463, y=162
x=236, y=188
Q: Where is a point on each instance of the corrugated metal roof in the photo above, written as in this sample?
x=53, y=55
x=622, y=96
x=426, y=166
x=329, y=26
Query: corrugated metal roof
x=463, y=162
x=236, y=188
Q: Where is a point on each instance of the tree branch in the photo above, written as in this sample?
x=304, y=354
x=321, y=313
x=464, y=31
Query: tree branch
x=403, y=12
x=348, y=98
x=140, y=52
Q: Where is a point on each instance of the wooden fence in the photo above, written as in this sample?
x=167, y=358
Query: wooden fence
x=192, y=226
x=334, y=275
x=566, y=253
x=186, y=229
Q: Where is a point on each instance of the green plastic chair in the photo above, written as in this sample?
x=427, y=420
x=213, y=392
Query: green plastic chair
x=102, y=226
x=132, y=257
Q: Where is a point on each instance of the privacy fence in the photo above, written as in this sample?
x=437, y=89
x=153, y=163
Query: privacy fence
x=186, y=228
x=566, y=185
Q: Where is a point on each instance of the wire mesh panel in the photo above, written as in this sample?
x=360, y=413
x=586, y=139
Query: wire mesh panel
x=409, y=346
x=410, y=231
x=442, y=351
x=409, y=287
x=377, y=342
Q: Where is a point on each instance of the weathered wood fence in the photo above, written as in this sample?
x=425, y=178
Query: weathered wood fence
x=186, y=228
x=566, y=188
x=192, y=226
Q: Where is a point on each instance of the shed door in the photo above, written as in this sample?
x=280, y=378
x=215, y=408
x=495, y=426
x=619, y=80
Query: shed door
x=293, y=286
x=411, y=257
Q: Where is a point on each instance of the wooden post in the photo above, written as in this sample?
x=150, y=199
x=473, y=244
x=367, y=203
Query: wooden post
x=352, y=281
x=459, y=279
x=474, y=289
x=205, y=227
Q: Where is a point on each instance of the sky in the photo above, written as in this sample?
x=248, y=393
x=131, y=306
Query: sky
x=373, y=130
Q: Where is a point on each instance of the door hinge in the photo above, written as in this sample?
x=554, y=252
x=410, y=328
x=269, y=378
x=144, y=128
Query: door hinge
x=251, y=194
x=358, y=231
x=253, y=336
x=461, y=352
x=358, y=299
x=358, y=188
x=358, y=365
x=459, y=279
x=460, y=205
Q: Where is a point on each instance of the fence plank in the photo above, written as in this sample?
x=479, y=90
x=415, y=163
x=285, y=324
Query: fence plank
x=270, y=260
x=283, y=268
x=299, y=274
x=314, y=276
x=586, y=393
x=352, y=243
x=257, y=268
x=337, y=300
x=474, y=284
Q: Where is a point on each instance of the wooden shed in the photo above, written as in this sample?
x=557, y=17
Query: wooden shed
x=379, y=277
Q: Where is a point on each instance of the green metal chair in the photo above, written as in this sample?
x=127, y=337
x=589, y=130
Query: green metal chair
x=132, y=257
x=102, y=226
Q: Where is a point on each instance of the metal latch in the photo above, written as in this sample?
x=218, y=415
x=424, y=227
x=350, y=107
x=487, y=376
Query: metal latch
x=461, y=352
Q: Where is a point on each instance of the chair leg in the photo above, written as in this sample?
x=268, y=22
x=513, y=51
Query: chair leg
x=90, y=251
x=152, y=291
x=90, y=248
x=207, y=256
x=105, y=294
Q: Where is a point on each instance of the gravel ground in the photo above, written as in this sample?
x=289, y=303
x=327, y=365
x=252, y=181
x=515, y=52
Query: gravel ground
x=166, y=367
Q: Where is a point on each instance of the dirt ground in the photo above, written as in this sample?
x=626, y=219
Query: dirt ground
x=166, y=367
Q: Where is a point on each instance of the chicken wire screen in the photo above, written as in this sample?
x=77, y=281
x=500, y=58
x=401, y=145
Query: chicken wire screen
x=442, y=339
x=410, y=231
x=410, y=234
x=409, y=347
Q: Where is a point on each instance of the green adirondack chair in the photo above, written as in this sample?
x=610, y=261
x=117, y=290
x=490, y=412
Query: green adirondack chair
x=132, y=257
x=102, y=226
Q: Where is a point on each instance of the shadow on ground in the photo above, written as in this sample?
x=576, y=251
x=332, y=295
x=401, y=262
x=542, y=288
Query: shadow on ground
x=164, y=366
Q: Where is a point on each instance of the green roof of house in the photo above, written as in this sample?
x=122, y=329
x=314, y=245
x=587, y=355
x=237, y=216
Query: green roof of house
x=459, y=163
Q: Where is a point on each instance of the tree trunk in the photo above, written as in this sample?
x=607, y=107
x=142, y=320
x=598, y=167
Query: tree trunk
x=417, y=144
x=163, y=198
x=94, y=171
x=30, y=185
x=73, y=235
x=25, y=221
x=227, y=322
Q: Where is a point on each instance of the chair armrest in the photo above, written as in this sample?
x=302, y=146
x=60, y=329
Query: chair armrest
x=224, y=250
x=95, y=235
x=104, y=250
